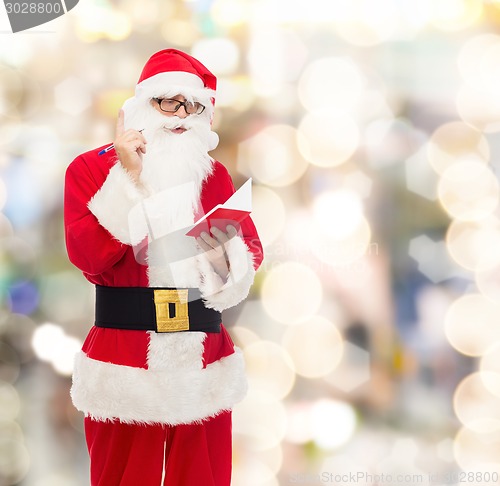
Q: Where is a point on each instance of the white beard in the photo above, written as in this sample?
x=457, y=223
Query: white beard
x=172, y=159
x=174, y=168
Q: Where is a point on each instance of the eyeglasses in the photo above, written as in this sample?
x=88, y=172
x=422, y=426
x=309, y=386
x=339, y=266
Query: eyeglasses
x=171, y=106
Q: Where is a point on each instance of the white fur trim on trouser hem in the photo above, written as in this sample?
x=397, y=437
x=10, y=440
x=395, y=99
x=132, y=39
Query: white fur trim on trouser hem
x=106, y=391
x=218, y=295
x=112, y=205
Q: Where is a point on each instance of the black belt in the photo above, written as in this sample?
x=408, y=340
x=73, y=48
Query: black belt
x=154, y=309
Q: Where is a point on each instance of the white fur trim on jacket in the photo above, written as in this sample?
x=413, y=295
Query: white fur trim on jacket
x=177, y=395
x=112, y=205
x=219, y=295
x=185, y=349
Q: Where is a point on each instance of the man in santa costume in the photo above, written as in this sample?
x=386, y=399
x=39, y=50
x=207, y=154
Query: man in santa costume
x=158, y=374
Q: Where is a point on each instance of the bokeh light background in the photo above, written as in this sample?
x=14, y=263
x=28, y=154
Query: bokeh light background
x=371, y=130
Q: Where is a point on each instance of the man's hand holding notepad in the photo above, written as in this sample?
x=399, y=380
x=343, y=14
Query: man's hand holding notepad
x=232, y=212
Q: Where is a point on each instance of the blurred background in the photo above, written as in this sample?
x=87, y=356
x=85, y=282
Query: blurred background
x=371, y=131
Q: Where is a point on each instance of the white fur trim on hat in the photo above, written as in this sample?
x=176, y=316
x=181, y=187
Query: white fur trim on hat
x=172, y=83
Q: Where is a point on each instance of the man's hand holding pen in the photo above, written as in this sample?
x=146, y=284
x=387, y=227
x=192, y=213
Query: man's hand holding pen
x=130, y=145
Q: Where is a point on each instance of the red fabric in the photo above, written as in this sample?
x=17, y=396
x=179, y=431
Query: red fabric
x=102, y=259
x=132, y=455
x=105, y=261
x=173, y=60
x=124, y=348
x=217, y=346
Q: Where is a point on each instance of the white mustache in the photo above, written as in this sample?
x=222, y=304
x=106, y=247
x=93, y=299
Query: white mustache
x=159, y=123
x=176, y=122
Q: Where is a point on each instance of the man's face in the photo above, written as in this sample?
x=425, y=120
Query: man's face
x=180, y=113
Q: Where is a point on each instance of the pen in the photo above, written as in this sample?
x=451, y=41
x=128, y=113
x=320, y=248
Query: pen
x=111, y=147
x=107, y=149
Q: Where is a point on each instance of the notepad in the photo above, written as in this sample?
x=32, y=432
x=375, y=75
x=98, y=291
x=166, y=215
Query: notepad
x=232, y=212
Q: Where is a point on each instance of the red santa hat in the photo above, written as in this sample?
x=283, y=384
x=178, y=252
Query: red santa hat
x=170, y=72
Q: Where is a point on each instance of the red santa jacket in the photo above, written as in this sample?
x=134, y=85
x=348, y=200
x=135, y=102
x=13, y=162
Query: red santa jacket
x=144, y=376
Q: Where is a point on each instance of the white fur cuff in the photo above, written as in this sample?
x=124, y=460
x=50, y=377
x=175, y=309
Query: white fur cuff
x=112, y=205
x=218, y=295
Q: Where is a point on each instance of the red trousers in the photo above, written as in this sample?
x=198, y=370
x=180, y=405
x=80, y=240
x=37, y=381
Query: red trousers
x=159, y=455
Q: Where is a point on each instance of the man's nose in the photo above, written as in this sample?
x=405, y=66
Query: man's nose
x=181, y=112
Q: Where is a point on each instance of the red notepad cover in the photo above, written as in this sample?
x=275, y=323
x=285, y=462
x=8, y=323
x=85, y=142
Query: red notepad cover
x=220, y=218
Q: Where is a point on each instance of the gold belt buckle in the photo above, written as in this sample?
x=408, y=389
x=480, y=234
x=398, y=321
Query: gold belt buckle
x=171, y=310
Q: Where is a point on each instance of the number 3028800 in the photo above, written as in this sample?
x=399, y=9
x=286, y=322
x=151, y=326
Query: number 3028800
x=33, y=8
